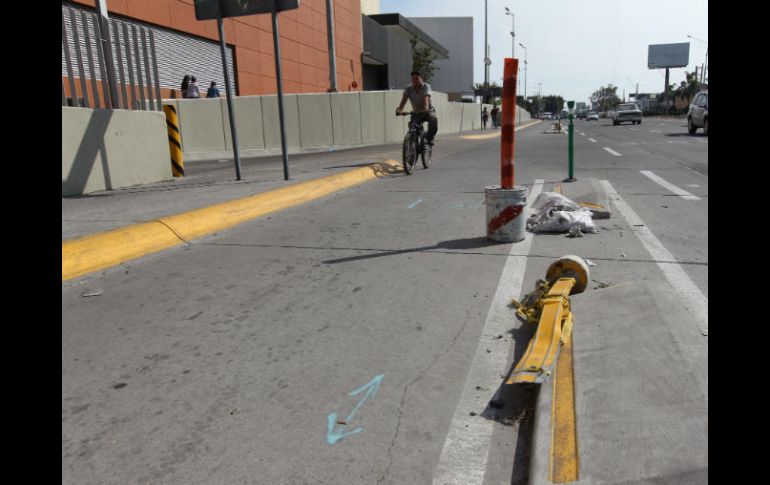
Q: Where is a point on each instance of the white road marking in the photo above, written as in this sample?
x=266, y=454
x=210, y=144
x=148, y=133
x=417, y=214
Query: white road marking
x=669, y=186
x=693, y=185
x=654, y=131
x=582, y=134
x=691, y=297
x=591, y=139
x=466, y=449
x=613, y=152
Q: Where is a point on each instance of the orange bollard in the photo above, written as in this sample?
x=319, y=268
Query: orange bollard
x=508, y=117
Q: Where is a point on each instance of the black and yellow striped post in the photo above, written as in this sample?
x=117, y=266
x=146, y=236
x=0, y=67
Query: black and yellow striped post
x=174, y=140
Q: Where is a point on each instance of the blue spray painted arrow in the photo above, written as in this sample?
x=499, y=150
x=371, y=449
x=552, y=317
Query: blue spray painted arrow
x=371, y=388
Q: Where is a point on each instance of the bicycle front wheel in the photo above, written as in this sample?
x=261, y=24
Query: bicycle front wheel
x=409, y=153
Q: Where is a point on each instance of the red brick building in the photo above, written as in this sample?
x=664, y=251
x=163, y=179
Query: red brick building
x=303, y=42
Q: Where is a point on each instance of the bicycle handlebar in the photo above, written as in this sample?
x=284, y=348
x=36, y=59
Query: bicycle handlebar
x=406, y=113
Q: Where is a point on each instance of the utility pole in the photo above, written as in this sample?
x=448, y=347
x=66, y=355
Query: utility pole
x=332, y=49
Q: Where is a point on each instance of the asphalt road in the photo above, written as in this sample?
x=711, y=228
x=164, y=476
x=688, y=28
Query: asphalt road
x=330, y=343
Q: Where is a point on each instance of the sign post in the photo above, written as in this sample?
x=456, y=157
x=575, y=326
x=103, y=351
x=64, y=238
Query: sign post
x=219, y=9
x=570, y=143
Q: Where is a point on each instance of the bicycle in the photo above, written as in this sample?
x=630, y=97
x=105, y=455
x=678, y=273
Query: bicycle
x=415, y=146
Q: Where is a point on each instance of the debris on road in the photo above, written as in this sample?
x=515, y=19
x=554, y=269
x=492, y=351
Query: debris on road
x=590, y=263
x=575, y=231
x=91, y=293
x=556, y=213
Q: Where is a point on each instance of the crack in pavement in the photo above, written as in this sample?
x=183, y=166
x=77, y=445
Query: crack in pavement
x=406, y=389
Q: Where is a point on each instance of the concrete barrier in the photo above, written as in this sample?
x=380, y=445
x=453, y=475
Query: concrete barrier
x=248, y=119
x=346, y=119
x=312, y=121
x=372, y=107
x=315, y=120
x=395, y=126
x=470, y=113
x=202, y=126
x=271, y=125
x=453, y=117
x=107, y=149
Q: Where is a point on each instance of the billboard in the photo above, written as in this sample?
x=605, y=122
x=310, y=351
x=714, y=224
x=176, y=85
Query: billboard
x=660, y=56
x=213, y=9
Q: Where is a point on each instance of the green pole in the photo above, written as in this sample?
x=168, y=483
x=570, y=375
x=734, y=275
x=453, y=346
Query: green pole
x=570, y=146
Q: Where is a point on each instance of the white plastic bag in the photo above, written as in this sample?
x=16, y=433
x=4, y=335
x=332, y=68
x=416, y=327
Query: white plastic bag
x=546, y=200
x=556, y=213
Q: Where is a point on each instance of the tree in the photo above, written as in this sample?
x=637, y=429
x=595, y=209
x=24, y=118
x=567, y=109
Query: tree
x=606, y=97
x=553, y=103
x=689, y=87
x=423, y=60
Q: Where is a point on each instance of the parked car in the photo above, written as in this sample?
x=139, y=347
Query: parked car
x=698, y=114
x=564, y=114
x=545, y=116
x=627, y=112
x=592, y=115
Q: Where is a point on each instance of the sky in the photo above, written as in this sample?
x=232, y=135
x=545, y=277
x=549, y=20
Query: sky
x=576, y=46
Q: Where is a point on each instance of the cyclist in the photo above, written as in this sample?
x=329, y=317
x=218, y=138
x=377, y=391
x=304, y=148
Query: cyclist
x=418, y=93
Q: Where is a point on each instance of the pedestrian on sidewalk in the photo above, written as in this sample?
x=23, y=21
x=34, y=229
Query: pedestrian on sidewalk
x=484, y=118
x=213, y=91
x=185, y=85
x=193, y=92
x=494, y=113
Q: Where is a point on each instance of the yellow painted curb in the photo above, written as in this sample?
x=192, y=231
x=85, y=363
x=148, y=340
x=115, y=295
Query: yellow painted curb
x=103, y=250
x=496, y=133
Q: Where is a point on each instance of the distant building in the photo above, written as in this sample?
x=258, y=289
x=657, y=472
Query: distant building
x=370, y=7
x=387, y=56
x=454, y=75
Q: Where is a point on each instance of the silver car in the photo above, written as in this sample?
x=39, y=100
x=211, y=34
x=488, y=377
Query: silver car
x=698, y=115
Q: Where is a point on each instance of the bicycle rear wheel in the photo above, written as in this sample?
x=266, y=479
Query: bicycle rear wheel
x=409, y=153
x=427, y=153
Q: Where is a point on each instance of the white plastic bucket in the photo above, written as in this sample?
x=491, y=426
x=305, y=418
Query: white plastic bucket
x=506, y=221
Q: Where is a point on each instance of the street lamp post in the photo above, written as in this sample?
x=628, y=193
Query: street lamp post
x=525, y=77
x=513, y=31
x=487, y=61
x=706, y=66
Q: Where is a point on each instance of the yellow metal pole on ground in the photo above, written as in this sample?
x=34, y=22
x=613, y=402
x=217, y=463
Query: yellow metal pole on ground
x=550, y=352
x=174, y=140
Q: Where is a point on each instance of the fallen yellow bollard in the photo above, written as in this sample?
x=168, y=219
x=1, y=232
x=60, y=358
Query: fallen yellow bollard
x=549, y=307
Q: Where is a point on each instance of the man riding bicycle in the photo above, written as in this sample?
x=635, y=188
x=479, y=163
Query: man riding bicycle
x=418, y=93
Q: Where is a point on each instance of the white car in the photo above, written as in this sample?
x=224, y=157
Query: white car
x=591, y=115
x=627, y=112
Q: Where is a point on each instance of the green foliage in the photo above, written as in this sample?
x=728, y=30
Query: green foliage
x=423, y=60
x=606, y=97
x=552, y=103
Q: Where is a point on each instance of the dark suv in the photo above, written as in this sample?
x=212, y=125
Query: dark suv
x=698, y=115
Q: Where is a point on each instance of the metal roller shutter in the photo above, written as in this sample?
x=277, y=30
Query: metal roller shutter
x=178, y=53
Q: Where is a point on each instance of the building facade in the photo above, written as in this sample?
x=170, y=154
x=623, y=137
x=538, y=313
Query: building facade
x=303, y=44
x=387, y=55
x=454, y=75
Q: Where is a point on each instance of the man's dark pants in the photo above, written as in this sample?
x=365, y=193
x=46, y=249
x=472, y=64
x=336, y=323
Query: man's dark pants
x=432, y=123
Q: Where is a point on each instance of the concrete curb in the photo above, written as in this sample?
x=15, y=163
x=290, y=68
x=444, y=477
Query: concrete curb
x=540, y=457
x=103, y=250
